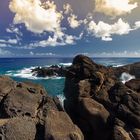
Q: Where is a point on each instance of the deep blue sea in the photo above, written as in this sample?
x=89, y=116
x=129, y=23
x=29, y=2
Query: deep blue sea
x=20, y=70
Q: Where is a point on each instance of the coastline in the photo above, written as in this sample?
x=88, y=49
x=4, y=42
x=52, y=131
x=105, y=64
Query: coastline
x=97, y=105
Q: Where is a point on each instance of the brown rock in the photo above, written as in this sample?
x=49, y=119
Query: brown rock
x=6, y=86
x=58, y=126
x=23, y=101
x=134, y=84
x=136, y=133
x=18, y=129
x=120, y=134
x=96, y=117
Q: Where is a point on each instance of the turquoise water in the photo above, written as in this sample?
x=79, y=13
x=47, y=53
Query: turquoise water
x=20, y=70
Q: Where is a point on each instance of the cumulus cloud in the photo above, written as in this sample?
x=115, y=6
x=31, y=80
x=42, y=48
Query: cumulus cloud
x=114, y=7
x=37, y=17
x=67, y=8
x=105, y=31
x=14, y=30
x=137, y=24
x=73, y=21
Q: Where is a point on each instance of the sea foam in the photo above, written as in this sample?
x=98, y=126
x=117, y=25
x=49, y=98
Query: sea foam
x=61, y=97
x=28, y=74
x=125, y=77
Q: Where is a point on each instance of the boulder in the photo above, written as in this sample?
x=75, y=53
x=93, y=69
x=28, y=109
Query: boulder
x=120, y=134
x=18, y=129
x=58, y=126
x=134, y=84
x=7, y=85
x=95, y=97
x=23, y=100
x=96, y=117
x=28, y=113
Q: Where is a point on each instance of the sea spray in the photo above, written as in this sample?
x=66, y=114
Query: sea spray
x=125, y=77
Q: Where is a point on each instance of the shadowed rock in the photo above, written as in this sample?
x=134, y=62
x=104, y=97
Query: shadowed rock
x=96, y=98
x=28, y=113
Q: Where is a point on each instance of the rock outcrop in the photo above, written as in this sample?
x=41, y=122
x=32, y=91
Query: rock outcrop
x=53, y=70
x=101, y=106
x=98, y=106
x=28, y=113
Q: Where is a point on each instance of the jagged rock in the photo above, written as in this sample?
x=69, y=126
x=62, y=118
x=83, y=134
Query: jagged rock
x=133, y=69
x=6, y=86
x=53, y=70
x=83, y=68
x=136, y=133
x=23, y=100
x=134, y=84
x=26, y=114
x=95, y=97
x=120, y=134
x=127, y=104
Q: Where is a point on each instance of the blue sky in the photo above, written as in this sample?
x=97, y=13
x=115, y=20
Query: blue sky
x=98, y=28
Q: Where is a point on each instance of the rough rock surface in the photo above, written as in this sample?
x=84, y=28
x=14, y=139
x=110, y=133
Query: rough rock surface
x=101, y=106
x=53, y=70
x=28, y=113
x=98, y=106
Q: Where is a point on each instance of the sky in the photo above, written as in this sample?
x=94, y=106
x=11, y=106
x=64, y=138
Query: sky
x=62, y=28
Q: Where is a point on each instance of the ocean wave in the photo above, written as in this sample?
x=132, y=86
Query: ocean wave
x=125, y=77
x=118, y=65
x=61, y=97
x=28, y=74
x=65, y=64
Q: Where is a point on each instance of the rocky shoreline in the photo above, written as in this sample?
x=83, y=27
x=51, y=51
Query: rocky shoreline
x=97, y=106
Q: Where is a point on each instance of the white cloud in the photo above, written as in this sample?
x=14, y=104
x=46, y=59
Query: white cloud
x=59, y=39
x=73, y=22
x=14, y=30
x=9, y=41
x=137, y=24
x=37, y=17
x=4, y=52
x=45, y=54
x=105, y=31
x=114, y=7
x=67, y=8
x=3, y=45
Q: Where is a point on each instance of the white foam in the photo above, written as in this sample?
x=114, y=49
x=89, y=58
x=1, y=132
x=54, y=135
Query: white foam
x=125, y=77
x=61, y=97
x=119, y=65
x=28, y=74
x=65, y=64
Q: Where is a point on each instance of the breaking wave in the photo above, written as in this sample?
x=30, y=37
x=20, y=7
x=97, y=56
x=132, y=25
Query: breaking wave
x=28, y=74
x=125, y=77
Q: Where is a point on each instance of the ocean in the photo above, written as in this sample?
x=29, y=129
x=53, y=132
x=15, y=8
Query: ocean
x=20, y=70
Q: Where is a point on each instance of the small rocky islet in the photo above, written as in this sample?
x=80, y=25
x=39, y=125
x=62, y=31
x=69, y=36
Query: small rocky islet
x=97, y=105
